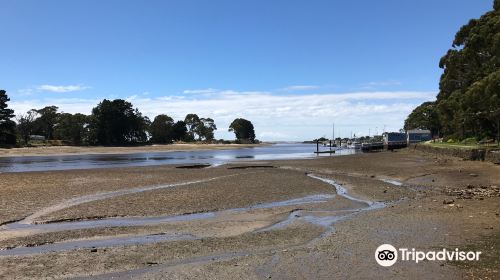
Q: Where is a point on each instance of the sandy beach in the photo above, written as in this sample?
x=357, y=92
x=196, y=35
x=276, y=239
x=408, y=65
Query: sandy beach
x=317, y=218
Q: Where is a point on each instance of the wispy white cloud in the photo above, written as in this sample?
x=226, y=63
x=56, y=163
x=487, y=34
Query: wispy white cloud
x=25, y=91
x=300, y=87
x=374, y=85
x=384, y=83
x=199, y=91
x=61, y=89
x=68, y=105
x=275, y=116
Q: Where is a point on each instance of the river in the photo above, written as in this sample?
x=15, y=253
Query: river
x=212, y=157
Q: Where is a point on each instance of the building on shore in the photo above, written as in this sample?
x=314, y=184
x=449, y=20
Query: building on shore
x=37, y=137
x=418, y=135
x=394, y=140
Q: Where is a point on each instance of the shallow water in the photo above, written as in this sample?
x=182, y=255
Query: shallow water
x=343, y=192
x=96, y=243
x=20, y=227
x=139, y=221
x=212, y=157
x=393, y=182
x=326, y=218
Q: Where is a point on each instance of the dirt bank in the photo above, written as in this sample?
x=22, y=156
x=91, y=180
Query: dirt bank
x=481, y=154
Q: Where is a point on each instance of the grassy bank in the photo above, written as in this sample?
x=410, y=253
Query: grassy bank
x=461, y=145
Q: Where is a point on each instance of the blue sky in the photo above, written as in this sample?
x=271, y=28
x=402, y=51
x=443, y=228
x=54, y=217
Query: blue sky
x=291, y=67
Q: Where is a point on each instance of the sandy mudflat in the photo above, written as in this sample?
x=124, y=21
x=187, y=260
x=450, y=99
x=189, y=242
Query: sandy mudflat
x=253, y=223
x=84, y=150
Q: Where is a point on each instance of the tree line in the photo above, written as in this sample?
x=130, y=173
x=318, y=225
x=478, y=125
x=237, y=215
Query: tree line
x=111, y=123
x=468, y=102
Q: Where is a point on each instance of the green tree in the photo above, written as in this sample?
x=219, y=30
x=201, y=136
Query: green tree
x=243, y=129
x=192, y=122
x=424, y=116
x=205, y=129
x=7, y=126
x=161, y=129
x=47, y=121
x=117, y=123
x=26, y=125
x=483, y=106
x=467, y=103
x=72, y=128
x=179, y=131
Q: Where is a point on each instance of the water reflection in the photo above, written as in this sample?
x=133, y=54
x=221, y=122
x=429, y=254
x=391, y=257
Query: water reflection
x=213, y=157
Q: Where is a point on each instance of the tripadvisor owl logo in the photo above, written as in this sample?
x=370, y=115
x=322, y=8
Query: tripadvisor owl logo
x=387, y=255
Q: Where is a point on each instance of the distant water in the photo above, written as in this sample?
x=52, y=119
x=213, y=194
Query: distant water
x=213, y=157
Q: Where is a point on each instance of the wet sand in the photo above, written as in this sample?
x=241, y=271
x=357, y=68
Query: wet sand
x=86, y=150
x=303, y=219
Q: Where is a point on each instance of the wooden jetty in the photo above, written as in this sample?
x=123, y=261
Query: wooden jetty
x=324, y=152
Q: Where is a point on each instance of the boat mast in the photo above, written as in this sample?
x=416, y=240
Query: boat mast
x=333, y=132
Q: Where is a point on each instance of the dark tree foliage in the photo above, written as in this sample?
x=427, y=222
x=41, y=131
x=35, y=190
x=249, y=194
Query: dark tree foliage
x=46, y=121
x=72, y=128
x=7, y=126
x=243, y=129
x=192, y=122
x=424, y=116
x=200, y=128
x=112, y=122
x=117, y=123
x=468, y=103
x=205, y=129
x=321, y=139
x=179, y=131
x=161, y=129
x=26, y=125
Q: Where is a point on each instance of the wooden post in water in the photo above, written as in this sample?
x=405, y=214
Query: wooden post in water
x=317, y=146
x=333, y=136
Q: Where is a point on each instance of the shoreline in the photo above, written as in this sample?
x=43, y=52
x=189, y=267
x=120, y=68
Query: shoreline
x=414, y=186
x=112, y=150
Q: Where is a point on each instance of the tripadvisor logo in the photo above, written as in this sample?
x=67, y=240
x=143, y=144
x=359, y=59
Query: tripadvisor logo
x=387, y=255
